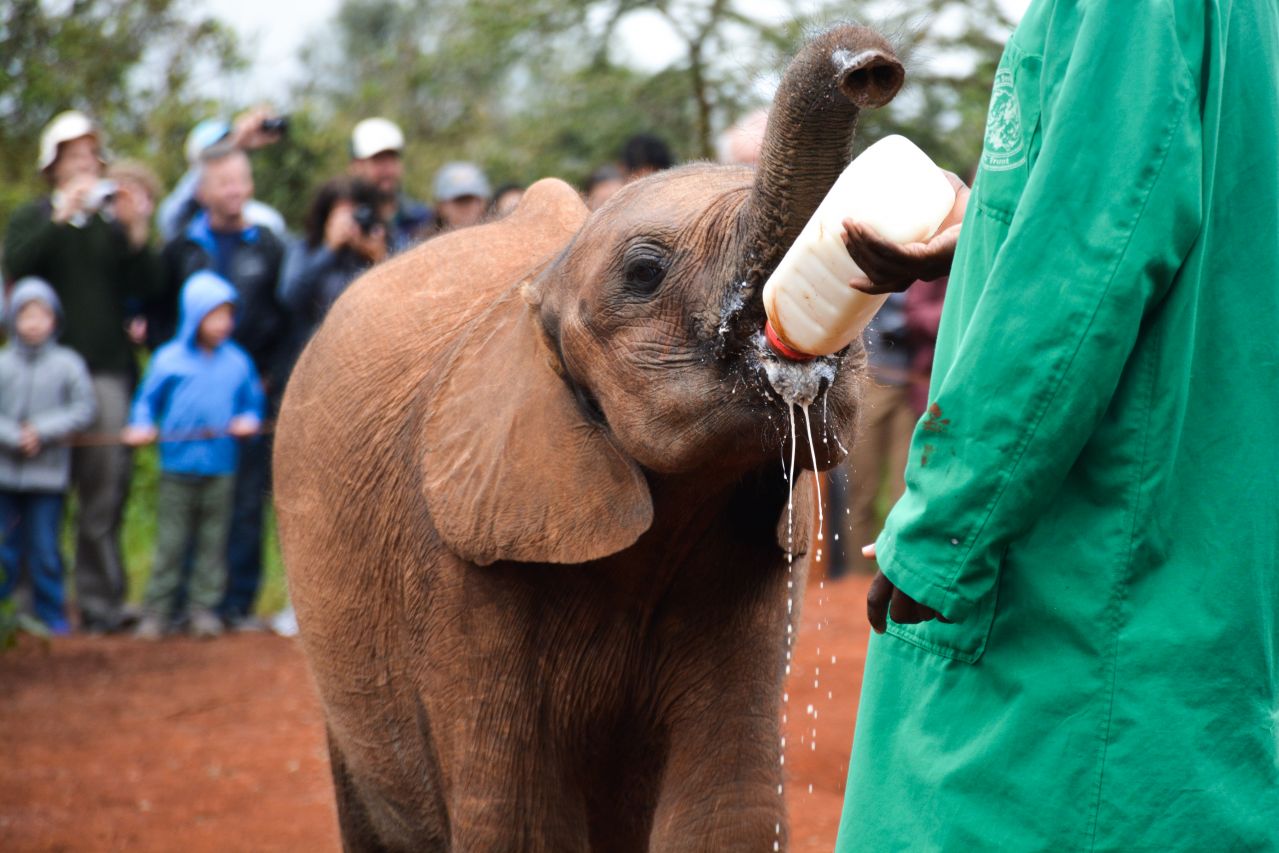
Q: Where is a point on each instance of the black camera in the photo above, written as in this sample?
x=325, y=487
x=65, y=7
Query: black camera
x=366, y=217
x=275, y=124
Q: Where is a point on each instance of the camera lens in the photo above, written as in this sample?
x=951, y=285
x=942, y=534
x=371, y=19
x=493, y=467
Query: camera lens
x=275, y=124
x=365, y=217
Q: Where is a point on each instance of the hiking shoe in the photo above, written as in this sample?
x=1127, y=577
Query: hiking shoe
x=150, y=628
x=246, y=624
x=285, y=623
x=205, y=625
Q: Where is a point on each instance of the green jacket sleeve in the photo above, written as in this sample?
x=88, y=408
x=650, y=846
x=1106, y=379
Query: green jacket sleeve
x=1109, y=209
x=30, y=237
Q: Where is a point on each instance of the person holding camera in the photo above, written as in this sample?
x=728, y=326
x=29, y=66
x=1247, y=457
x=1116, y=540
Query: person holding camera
x=345, y=235
x=255, y=129
x=377, y=158
x=88, y=239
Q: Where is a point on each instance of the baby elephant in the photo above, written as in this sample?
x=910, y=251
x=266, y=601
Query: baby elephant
x=530, y=502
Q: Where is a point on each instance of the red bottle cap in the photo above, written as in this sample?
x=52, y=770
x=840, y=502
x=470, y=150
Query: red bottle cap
x=780, y=347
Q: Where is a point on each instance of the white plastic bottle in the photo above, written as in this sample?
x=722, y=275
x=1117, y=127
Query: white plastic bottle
x=892, y=186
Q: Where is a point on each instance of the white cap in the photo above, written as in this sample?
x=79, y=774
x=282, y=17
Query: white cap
x=203, y=136
x=65, y=127
x=458, y=179
x=375, y=135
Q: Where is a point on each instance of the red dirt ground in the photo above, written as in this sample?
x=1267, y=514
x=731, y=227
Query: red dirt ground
x=110, y=744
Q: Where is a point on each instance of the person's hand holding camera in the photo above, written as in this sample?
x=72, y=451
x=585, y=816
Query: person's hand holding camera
x=371, y=245
x=340, y=230
x=73, y=197
x=364, y=236
x=258, y=128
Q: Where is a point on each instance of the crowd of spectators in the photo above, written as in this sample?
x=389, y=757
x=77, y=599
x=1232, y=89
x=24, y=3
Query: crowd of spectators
x=213, y=292
x=213, y=285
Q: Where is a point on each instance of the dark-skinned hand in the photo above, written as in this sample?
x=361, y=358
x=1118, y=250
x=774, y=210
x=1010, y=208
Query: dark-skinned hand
x=893, y=267
x=885, y=600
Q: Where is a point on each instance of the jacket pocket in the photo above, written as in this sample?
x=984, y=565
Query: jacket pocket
x=962, y=641
x=1012, y=136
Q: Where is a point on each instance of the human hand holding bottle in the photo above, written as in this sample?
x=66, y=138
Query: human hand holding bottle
x=893, y=267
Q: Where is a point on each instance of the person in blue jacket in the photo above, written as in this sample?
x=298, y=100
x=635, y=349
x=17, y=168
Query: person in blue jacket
x=200, y=394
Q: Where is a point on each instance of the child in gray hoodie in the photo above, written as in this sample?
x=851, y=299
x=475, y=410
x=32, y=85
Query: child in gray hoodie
x=45, y=396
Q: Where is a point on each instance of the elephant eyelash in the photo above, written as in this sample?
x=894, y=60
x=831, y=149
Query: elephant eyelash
x=644, y=269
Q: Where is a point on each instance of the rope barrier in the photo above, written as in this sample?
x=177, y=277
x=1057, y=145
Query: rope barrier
x=112, y=439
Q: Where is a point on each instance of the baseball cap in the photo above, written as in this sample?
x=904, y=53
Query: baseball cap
x=375, y=135
x=205, y=135
x=458, y=179
x=65, y=127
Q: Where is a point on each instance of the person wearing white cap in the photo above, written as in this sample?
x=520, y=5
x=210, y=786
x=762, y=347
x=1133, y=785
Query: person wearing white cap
x=461, y=195
x=247, y=133
x=377, y=158
x=88, y=239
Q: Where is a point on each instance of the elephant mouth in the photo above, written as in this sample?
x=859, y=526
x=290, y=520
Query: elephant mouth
x=587, y=402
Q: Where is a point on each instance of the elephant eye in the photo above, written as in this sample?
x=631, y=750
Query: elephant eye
x=645, y=273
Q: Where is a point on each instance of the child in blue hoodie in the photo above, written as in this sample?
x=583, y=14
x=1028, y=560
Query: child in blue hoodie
x=199, y=395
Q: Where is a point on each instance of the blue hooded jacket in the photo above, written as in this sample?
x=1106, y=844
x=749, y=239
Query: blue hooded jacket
x=188, y=392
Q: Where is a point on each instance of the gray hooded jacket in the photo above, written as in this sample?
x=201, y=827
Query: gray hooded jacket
x=46, y=387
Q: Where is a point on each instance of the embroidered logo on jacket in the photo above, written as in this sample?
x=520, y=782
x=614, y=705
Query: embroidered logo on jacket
x=1004, y=147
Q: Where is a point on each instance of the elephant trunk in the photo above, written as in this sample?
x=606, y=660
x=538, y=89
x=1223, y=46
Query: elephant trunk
x=806, y=146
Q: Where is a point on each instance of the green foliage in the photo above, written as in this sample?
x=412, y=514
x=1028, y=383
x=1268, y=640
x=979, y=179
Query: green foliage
x=950, y=49
x=531, y=89
x=87, y=55
x=525, y=87
x=287, y=173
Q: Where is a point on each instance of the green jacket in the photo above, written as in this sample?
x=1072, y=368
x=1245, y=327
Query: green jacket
x=94, y=271
x=1094, y=493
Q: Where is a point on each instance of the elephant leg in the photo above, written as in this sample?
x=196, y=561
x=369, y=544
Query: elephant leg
x=354, y=821
x=720, y=786
x=512, y=794
x=541, y=817
x=721, y=796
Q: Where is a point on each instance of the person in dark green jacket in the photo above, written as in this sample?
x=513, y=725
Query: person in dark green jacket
x=88, y=239
x=1078, y=605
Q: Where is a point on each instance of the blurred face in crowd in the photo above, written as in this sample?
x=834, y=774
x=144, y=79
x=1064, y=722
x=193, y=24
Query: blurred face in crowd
x=226, y=185
x=35, y=323
x=461, y=212
x=216, y=326
x=383, y=170
x=77, y=158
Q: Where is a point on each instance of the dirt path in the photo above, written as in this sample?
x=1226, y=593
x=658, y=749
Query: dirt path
x=108, y=744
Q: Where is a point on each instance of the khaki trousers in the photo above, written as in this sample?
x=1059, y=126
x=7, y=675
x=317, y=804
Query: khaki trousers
x=100, y=476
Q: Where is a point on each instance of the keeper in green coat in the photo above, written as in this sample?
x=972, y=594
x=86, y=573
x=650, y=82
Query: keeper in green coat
x=1079, y=590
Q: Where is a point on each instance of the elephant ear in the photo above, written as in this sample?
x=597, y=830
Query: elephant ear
x=512, y=469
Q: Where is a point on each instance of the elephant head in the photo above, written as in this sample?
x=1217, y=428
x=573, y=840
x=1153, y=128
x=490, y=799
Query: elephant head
x=606, y=350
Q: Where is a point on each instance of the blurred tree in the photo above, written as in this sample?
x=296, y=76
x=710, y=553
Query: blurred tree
x=543, y=87
x=128, y=63
x=951, y=49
